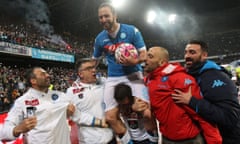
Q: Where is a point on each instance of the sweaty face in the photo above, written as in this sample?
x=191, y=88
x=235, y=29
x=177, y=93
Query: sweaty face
x=152, y=61
x=106, y=18
x=87, y=72
x=193, y=54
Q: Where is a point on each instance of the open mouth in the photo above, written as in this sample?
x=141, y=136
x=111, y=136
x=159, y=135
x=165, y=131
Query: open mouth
x=188, y=62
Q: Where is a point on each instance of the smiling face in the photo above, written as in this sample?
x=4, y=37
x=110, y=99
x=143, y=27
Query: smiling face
x=40, y=79
x=193, y=55
x=156, y=57
x=107, y=18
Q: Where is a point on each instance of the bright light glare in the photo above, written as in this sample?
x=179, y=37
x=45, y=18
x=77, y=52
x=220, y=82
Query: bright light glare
x=118, y=3
x=151, y=16
x=172, y=18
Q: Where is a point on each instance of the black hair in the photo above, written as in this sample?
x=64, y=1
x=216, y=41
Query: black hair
x=108, y=5
x=79, y=62
x=123, y=91
x=203, y=45
x=29, y=75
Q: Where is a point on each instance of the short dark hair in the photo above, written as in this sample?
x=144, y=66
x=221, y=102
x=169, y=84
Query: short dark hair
x=79, y=62
x=108, y=5
x=203, y=45
x=123, y=91
x=29, y=75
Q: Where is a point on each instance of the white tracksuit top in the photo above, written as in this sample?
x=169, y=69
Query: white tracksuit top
x=88, y=99
x=52, y=126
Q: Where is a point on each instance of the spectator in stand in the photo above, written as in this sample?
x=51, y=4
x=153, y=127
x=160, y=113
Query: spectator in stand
x=219, y=104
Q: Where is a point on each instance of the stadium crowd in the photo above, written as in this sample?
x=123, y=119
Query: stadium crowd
x=219, y=43
x=27, y=35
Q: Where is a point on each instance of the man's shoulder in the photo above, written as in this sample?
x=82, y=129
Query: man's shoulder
x=127, y=25
x=128, y=28
x=102, y=34
x=212, y=73
x=56, y=92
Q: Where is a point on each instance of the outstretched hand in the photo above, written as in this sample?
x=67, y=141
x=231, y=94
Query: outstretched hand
x=181, y=97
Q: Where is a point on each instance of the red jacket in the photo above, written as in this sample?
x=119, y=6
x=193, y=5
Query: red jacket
x=177, y=121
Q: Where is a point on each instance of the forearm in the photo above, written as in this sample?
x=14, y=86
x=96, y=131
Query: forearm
x=7, y=132
x=82, y=118
x=150, y=123
x=87, y=119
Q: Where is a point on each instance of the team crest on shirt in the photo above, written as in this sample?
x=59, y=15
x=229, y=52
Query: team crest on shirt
x=123, y=35
x=187, y=81
x=80, y=95
x=54, y=97
x=164, y=79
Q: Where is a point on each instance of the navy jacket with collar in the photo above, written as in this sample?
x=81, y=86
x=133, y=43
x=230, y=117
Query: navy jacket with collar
x=220, y=104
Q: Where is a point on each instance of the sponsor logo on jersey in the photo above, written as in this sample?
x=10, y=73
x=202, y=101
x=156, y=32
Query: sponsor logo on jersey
x=112, y=47
x=77, y=90
x=106, y=40
x=32, y=102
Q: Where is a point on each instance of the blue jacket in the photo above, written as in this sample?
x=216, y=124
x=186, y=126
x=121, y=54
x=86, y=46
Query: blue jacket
x=220, y=104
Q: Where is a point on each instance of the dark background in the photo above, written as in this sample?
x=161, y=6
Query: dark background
x=79, y=17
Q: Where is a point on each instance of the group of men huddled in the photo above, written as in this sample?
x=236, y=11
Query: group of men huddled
x=193, y=105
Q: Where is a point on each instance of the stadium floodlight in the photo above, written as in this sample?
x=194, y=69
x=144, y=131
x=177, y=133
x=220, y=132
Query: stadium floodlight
x=172, y=18
x=151, y=17
x=118, y=3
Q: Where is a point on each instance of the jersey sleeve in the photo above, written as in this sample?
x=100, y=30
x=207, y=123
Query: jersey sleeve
x=220, y=104
x=138, y=40
x=97, y=50
x=79, y=117
x=15, y=116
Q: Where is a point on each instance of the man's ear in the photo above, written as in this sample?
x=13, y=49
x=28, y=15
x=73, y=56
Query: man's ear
x=33, y=81
x=205, y=55
x=80, y=74
x=161, y=62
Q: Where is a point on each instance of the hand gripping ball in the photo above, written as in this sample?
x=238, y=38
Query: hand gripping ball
x=126, y=50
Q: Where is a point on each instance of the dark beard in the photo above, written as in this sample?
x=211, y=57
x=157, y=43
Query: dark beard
x=195, y=68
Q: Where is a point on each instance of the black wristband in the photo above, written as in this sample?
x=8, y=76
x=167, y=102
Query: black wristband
x=100, y=124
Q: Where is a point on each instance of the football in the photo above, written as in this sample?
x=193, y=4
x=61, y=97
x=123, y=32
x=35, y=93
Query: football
x=127, y=50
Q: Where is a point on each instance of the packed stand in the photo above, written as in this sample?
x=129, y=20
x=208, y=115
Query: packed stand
x=219, y=44
x=27, y=35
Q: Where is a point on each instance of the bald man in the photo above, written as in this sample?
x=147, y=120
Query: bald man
x=177, y=122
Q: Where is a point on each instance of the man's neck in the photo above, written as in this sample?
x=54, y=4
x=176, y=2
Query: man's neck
x=114, y=30
x=45, y=90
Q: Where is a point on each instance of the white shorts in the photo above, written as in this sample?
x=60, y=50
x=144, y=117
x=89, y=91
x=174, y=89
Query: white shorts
x=134, y=80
